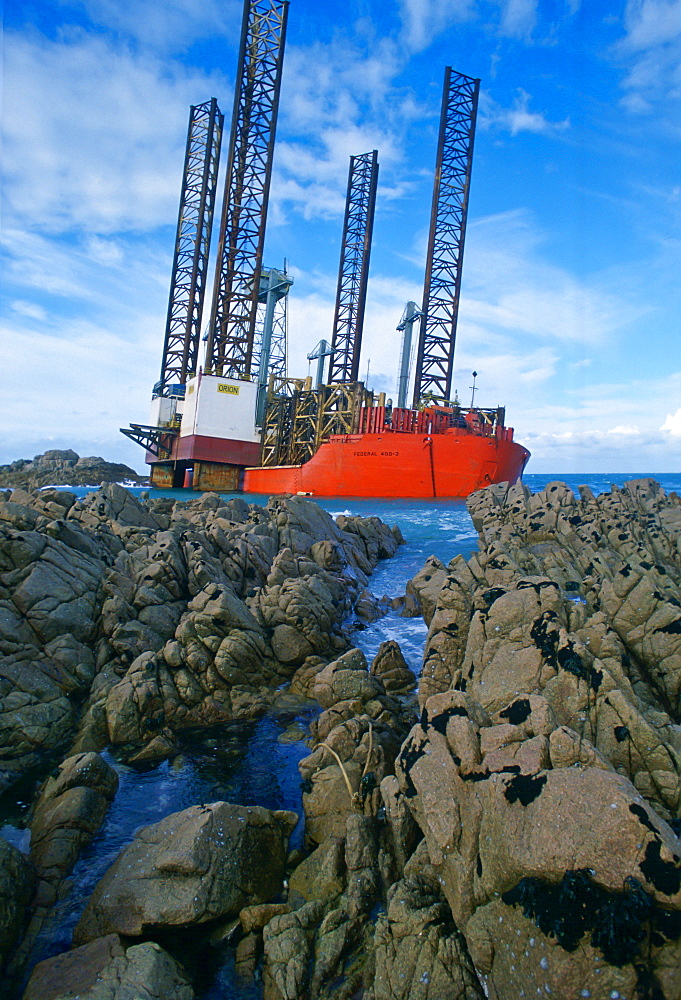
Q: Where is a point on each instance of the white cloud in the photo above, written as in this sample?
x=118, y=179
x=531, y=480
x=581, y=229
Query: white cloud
x=672, y=424
x=30, y=309
x=338, y=100
x=518, y=17
x=94, y=135
x=509, y=284
x=163, y=24
x=424, y=20
x=627, y=430
x=651, y=48
x=652, y=22
x=517, y=118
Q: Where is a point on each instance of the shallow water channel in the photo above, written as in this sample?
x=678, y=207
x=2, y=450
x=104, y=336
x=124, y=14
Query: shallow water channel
x=255, y=763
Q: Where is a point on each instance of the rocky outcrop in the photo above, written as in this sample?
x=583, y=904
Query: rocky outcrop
x=67, y=814
x=418, y=951
x=545, y=770
x=107, y=970
x=127, y=622
x=17, y=881
x=202, y=864
x=65, y=468
x=135, y=619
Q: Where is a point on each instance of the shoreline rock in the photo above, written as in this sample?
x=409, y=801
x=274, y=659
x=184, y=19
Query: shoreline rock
x=66, y=468
x=511, y=828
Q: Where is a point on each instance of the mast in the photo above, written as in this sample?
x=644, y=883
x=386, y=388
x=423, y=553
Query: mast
x=192, y=245
x=353, y=272
x=442, y=286
x=231, y=333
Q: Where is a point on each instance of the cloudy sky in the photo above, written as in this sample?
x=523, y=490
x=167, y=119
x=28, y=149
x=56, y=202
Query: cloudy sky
x=570, y=301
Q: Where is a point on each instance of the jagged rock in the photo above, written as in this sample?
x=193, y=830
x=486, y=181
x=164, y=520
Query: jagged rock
x=321, y=875
x=17, y=881
x=288, y=941
x=495, y=814
x=390, y=667
x=113, y=502
x=67, y=815
x=403, y=831
x=107, y=970
x=203, y=863
x=65, y=468
x=426, y=586
x=419, y=953
x=346, y=678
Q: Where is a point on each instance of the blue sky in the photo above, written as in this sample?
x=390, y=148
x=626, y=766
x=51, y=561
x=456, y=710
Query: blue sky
x=570, y=298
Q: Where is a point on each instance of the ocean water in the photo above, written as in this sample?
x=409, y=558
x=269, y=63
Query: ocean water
x=256, y=764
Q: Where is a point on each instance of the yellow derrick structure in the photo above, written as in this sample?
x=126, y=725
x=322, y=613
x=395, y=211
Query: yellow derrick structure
x=298, y=418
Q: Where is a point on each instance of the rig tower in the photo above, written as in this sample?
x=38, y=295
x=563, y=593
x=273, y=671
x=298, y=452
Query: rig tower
x=353, y=272
x=442, y=286
x=229, y=350
x=192, y=246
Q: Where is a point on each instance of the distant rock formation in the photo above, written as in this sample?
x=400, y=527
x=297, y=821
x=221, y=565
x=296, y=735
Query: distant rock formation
x=66, y=468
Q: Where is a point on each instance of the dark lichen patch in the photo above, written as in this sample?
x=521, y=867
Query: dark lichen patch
x=569, y=659
x=642, y=815
x=491, y=595
x=525, y=788
x=439, y=721
x=544, y=634
x=517, y=711
x=408, y=756
x=618, y=922
x=666, y=926
x=664, y=875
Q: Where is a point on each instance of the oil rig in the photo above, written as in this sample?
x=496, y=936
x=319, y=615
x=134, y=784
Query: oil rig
x=236, y=421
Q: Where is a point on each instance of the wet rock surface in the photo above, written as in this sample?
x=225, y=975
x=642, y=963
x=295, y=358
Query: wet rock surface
x=202, y=864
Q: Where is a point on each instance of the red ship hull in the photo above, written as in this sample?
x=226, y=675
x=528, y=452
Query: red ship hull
x=453, y=464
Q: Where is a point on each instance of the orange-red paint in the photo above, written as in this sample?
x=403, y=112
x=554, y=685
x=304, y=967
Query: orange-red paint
x=452, y=463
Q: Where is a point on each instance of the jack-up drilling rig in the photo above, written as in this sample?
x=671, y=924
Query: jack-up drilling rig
x=338, y=439
x=241, y=422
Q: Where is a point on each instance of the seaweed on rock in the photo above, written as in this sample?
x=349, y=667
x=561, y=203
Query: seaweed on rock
x=618, y=922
